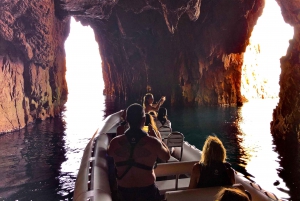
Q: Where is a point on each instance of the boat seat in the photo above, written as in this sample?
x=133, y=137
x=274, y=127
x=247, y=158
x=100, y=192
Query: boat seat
x=165, y=131
x=199, y=194
x=175, y=139
x=169, y=185
x=170, y=169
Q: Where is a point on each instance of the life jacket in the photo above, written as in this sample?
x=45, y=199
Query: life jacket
x=214, y=174
x=133, y=136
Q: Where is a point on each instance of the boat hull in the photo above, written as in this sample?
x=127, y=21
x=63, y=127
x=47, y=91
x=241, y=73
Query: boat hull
x=93, y=177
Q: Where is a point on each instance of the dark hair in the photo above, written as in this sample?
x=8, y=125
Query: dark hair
x=135, y=114
x=229, y=194
x=162, y=115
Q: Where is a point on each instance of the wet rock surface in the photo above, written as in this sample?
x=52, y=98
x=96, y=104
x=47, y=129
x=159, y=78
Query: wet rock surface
x=32, y=62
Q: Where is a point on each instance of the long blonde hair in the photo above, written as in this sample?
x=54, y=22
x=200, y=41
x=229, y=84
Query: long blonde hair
x=213, y=150
x=145, y=99
x=228, y=194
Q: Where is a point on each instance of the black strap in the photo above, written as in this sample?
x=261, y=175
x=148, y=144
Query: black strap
x=132, y=147
x=133, y=136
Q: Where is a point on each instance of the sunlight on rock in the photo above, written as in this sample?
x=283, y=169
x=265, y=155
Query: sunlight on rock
x=268, y=43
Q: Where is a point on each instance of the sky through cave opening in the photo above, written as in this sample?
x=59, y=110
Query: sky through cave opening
x=268, y=43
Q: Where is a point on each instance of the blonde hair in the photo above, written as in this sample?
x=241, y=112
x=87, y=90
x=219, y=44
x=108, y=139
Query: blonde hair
x=150, y=120
x=213, y=150
x=229, y=194
x=145, y=99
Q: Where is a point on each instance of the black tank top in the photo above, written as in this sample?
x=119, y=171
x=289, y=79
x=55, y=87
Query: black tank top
x=215, y=174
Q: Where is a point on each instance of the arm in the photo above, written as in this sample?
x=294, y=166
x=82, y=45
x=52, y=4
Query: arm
x=163, y=151
x=194, y=176
x=155, y=107
x=153, y=133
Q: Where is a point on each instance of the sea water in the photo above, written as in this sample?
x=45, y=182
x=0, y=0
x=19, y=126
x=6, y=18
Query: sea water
x=41, y=161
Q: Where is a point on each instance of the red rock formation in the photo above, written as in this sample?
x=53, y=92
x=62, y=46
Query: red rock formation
x=286, y=116
x=189, y=50
x=32, y=62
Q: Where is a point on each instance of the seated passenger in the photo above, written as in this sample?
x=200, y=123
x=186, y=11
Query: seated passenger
x=212, y=170
x=162, y=118
x=152, y=129
x=123, y=126
x=148, y=104
x=229, y=194
x=135, y=154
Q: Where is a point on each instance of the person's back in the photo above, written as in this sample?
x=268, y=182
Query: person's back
x=146, y=152
x=212, y=169
x=134, y=155
x=214, y=174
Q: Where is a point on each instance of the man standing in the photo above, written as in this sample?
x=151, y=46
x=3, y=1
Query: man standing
x=135, y=154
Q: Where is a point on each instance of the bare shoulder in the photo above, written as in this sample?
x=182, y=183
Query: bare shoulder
x=117, y=141
x=153, y=140
x=196, y=168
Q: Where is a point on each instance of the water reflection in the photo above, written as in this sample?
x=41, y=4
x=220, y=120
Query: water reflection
x=245, y=133
x=289, y=169
x=256, y=144
x=30, y=161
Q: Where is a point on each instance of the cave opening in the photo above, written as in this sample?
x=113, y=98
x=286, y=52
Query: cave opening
x=85, y=106
x=83, y=75
x=268, y=43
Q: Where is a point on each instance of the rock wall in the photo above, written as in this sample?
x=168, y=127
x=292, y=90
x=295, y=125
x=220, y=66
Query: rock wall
x=191, y=51
x=286, y=121
x=32, y=62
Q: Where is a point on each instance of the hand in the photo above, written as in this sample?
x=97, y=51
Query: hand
x=163, y=98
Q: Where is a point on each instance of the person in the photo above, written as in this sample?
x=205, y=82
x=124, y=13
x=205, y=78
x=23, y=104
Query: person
x=135, y=154
x=212, y=170
x=123, y=126
x=152, y=129
x=148, y=104
x=162, y=118
x=229, y=194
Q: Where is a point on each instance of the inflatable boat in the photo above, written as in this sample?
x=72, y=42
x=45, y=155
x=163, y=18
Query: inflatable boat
x=95, y=173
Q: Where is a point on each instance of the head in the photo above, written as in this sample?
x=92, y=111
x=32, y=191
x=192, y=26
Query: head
x=213, y=150
x=229, y=194
x=135, y=115
x=162, y=113
x=148, y=99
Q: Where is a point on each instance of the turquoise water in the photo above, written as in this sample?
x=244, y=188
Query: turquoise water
x=42, y=161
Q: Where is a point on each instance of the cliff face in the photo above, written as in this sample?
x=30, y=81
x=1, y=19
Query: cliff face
x=32, y=62
x=190, y=51
x=286, y=122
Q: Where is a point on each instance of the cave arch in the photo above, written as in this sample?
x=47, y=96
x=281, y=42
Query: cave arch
x=197, y=42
